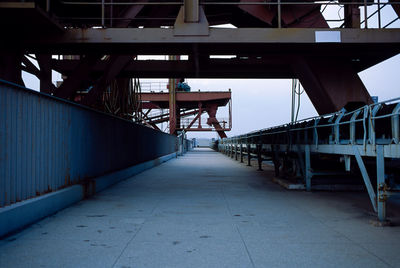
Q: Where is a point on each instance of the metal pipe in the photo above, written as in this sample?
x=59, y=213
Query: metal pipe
x=47, y=6
x=191, y=10
x=379, y=14
x=373, y=13
x=391, y=22
x=365, y=14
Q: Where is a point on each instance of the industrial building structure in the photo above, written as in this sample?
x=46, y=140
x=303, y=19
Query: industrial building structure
x=91, y=125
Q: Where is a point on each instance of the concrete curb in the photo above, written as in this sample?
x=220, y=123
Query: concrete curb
x=21, y=214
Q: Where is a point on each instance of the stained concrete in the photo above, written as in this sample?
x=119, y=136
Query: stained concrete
x=206, y=210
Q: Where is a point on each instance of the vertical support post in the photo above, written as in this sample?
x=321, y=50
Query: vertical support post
x=232, y=149
x=308, y=167
x=381, y=185
x=365, y=14
x=47, y=6
x=347, y=162
x=102, y=13
x=275, y=159
x=248, y=154
x=44, y=61
x=241, y=151
x=280, y=14
x=259, y=158
x=200, y=105
x=172, y=102
x=379, y=14
x=236, y=150
x=191, y=10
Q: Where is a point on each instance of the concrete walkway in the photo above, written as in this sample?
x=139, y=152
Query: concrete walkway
x=206, y=210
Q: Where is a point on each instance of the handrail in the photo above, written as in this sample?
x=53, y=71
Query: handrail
x=380, y=5
x=366, y=114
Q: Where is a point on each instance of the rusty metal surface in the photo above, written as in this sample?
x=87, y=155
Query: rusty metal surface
x=47, y=143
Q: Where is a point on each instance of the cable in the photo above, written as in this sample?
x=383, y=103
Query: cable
x=296, y=90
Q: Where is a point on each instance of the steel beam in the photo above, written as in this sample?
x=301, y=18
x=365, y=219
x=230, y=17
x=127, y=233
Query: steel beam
x=319, y=78
x=236, y=41
x=73, y=82
x=45, y=77
x=268, y=66
x=396, y=7
x=30, y=67
x=116, y=64
x=366, y=178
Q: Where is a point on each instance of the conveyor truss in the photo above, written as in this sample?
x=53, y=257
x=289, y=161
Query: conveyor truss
x=368, y=137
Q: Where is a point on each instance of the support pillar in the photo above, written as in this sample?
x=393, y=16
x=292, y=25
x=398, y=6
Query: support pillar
x=351, y=16
x=275, y=160
x=381, y=184
x=248, y=155
x=308, y=168
x=236, y=151
x=241, y=152
x=259, y=157
x=46, y=84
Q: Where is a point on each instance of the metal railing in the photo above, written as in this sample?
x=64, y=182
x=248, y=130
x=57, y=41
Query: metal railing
x=278, y=4
x=48, y=143
x=354, y=127
x=159, y=86
x=183, y=144
x=371, y=131
x=186, y=121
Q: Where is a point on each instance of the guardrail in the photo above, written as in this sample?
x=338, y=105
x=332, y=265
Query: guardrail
x=184, y=144
x=278, y=4
x=370, y=131
x=47, y=143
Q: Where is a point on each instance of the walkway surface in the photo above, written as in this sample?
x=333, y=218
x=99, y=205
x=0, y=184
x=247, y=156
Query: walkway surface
x=206, y=210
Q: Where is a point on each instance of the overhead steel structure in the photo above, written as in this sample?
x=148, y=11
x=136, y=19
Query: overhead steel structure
x=189, y=108
x=272, y=39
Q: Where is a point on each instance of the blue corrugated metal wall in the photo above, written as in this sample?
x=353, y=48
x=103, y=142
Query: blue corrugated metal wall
x=47, y=143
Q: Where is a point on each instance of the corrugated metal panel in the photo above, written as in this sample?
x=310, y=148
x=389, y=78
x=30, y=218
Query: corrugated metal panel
x=47, y=143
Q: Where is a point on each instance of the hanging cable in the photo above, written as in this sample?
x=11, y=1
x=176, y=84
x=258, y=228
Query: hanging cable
x=296, y=91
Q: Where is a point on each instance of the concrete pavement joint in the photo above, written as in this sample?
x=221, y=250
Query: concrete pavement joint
x=237, y=228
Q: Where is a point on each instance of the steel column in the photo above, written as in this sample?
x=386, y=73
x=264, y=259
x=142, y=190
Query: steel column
x=241, y=152
x=248, y=154
x=259, y=158
x=381, y=184
x=236, y=155
x=308, y=168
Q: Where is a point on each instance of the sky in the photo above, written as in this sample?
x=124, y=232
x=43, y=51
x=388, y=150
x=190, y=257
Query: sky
x=263, y=103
